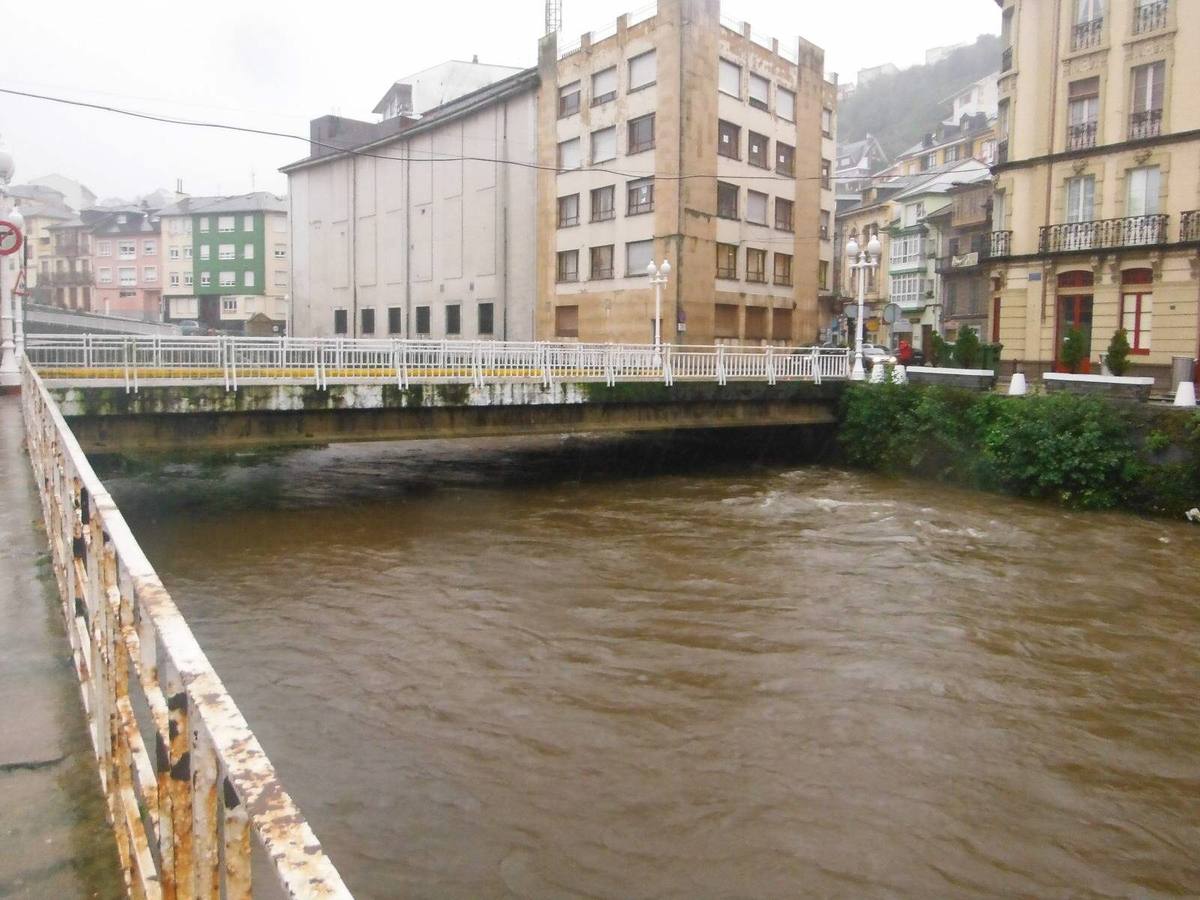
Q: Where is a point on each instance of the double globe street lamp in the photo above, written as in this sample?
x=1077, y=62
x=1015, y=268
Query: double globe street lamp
x=658, y=277
x=863, y=261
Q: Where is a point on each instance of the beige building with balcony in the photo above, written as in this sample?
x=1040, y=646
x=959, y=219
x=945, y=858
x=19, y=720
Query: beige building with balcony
x=683, y=136
x=1098, y=180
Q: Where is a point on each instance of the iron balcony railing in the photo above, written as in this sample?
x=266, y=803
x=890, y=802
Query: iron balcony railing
x=1087, y=34
x=1001, y=244
x=1133, y=231
x=1081, y=136
x=1150, y=16
x=1189, y=226
x=238, y=361
x=1145, y=124
x=1006, y=59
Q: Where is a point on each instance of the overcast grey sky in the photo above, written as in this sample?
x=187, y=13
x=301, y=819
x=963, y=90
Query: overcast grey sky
x=275, y=64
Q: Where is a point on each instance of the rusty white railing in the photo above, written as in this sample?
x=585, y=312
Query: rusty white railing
x=184, y=810
x=134, y=361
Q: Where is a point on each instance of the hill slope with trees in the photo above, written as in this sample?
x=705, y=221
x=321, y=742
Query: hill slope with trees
x=901, y=109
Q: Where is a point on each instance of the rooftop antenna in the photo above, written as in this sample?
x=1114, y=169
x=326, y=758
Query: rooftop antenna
x=553, y=16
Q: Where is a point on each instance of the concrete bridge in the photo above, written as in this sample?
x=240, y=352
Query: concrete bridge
x=199, y=393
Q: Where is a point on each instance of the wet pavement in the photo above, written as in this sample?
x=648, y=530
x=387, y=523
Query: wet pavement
x=54, y=839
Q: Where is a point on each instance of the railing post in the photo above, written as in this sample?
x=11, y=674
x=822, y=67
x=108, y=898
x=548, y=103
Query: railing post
x=770, y=363
x=721, y=375
x=610, y=375
x=544, y=359
x=205, y=851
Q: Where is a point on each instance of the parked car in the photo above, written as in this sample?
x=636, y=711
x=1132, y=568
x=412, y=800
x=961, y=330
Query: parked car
x=872, y=353
x=190, y=327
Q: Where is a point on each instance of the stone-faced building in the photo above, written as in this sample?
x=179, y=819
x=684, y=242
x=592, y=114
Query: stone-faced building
x=677, y=137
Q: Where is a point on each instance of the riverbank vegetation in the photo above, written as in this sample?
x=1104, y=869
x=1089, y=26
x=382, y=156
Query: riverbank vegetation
x=1083, y=452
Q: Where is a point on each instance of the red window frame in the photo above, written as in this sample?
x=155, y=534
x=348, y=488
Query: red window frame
x=1130, y=280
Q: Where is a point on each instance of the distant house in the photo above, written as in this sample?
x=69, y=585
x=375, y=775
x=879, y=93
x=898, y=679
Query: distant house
x=75, y=195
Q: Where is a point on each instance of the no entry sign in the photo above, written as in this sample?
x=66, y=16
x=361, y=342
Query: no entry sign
x=10, y=238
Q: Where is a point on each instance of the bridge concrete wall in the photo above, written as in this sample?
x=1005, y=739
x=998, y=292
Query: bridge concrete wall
x=109, y=420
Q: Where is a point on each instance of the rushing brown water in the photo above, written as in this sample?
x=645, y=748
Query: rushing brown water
x=598, y=670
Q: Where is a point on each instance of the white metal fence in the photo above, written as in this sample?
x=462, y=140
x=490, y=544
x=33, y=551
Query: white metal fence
x=134, y=361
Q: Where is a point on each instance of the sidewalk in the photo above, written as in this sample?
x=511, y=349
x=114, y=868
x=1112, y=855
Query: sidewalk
x=54, y=838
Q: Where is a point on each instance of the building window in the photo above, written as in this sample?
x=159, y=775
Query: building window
x=228, y=279
x=756, y=323
x=229, y=304
x=783, y=214
x=454, y=318
x=566, y=321
x=340, y=321
x=906, y=249
x=602, y=262
x=1083, y=113
x=104, y=275
x=640, y=196
x=604, y=86
x=760, y=92
x=1149, y=85
x=604, y=203
x=187, y=279
x=825, y=174
x=756, y=265
x=725, y=320
x=827, y=122
x=247, y=251
x=756, y=207
x=486, y=318
x=1142, y=193
x=366, y=318
x=422, y=320
x=785, y=159
x=823, y=274
x=907, y=289
x=187, y=252
x=205, y=252
x=1150, y=15
x=951, y=153
x=226, y=224
x=727, y=261
x=173, y=278
x=173, y=253
x=1137, y=308
x=247, y=279
x=759, y=155
x=785, y=104
x=395, y=319
x=205, y=279
x=1081, y=198
x=568, y=266
x=729, y=139
x=570, y=155
x=604, y=144
x=730, y=79
x=149, y=248
x=568, y=211
x=641, y=133
x=203, y=223
x=127, y=277
x=642, y=71
x=568, y=99
x=104, y=248
x=149, y=274
x=638, y=256
x=281, y=251
x=824, y=224
x=247, y=223
x=727, y=200
x=783, y=269
x=781, y=324
x=226, y=251
x=127, y=249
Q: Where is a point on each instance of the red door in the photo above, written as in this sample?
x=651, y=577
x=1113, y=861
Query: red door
x=1073, y=312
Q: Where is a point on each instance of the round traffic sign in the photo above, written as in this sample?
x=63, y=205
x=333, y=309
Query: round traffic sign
x=10, y=238
x=851, y=310
x=891, y=313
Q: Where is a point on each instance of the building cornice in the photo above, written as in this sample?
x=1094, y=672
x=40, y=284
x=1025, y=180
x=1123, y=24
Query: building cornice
x=1103, y=150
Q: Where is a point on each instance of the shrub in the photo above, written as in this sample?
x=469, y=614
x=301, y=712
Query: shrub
x=939, y=351
x=1118, y=353
x=1074, y=350
x=967, y=348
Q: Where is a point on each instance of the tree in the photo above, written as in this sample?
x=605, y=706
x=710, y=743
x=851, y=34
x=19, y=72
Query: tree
x=1074, y=350
x=1118, y=353
x=939, y=351
x=967, y=348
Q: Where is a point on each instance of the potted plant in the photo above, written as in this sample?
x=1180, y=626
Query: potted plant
x=1074, y=350
x=1117, y=357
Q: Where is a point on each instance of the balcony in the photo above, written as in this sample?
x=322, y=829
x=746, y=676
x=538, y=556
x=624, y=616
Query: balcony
x=1104, y=234
x=66, y=279
x=1150, y=16
x=1001, y=244
x=1087, y=34
x=1145, y=124
x=1081, y=136
x=1006, y=59
x=966, y=261
x=1189, y=226
x=1002, y=152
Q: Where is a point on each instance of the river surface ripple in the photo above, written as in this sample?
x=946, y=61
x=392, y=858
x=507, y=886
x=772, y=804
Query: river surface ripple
x=597, y=669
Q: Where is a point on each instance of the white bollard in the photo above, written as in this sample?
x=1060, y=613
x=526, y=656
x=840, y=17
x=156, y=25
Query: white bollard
x=1185, y=394
x=899, y=375
x=878, y=375
x=1017, y=387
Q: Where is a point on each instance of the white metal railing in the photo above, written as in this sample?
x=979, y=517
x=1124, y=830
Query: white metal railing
x=136, y=360
x=187, y=783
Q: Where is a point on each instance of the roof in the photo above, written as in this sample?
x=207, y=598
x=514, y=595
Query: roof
x=39, y=208
x=940, y=179
x=431, y=83
x=258, y=201
x=525, y=80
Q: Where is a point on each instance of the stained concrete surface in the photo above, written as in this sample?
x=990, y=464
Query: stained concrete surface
x=54, y=839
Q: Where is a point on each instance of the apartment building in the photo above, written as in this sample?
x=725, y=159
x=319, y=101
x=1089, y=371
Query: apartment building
x=678, y=135
x=961, y=233
x=1098, y=182
x=226, y=262
x=126, y=259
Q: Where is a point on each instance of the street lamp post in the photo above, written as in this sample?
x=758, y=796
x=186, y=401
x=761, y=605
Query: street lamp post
x=863, y=262
x=658, y=277
x=10, y=375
